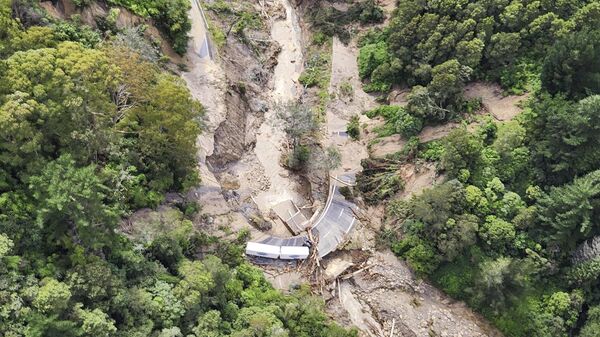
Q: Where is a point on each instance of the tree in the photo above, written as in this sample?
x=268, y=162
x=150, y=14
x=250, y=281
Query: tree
x=420, y=255
x=6, y=245
x=591, y=328
x=370, y=57
x=9, y=28
x=166, y=307
x=568, y=214
x=564, y=138
x=461, y=151
x=502, y=48
x=572, y=65
x=195, y=283
x=167, y=250
x=52, y=297
x=208, y=325
x=165, y=131
x=470, y=52
x=70, y=86
x=447, y=82
x=74, y=202
x=436, y=205
x=458, y=235
x=92, y=282
x=498, y=233
x=513, y=155
x=498, y=281
x=95, y=322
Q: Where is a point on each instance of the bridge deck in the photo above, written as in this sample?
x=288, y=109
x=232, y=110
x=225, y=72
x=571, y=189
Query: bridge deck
x=331, y=227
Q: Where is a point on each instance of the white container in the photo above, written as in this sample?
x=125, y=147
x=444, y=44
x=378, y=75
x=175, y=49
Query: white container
x=294, y=253
x=262, y=250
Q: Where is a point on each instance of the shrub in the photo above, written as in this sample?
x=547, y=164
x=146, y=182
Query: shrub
x=370, y=57
x=353, y=128
x=408, y=125
x=297, y=159
x=171, y=16
x=346, y=192
x=432, y=151
x=418, y=253
x=346, y=89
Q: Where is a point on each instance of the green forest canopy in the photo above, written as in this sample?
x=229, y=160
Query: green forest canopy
x=512, y=229
x=90, y=131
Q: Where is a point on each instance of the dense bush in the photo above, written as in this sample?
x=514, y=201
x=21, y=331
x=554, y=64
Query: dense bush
x=491, y=40
x=170, y=15
x=91, y=131
x=397, y=120
x=573, y=65
x=333, y=22
x=519, y=235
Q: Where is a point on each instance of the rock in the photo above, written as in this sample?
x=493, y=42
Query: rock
x=336, y=267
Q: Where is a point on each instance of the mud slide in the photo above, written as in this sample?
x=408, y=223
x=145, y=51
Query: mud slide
x=270, y=140
x=241, y=145
x=388, y=293
x=344, y=72
x=207, y=83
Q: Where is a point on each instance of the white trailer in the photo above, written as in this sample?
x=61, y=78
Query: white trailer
x=262, y=250
x=294, y=253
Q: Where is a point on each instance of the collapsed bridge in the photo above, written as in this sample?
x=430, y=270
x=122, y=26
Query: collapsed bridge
x=330, y=229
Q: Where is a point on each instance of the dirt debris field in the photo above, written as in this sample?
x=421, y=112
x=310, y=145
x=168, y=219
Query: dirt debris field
x=501, y=107
x=383, y=293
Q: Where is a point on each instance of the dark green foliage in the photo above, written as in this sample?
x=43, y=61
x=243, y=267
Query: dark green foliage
x=592, y=325
x=503, y=232
x=347, y=193
x=88, y=135
x=439, y=46
x=298, y=158
x=461, y=151
x=397, y=120
x=68, y=31
x=167, y=251
x=418, y=253
x=571, y=212
x=572, y=65
x=564, y=137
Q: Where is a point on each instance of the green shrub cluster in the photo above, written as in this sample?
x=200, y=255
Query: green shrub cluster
x=353, y=127
x=397, y=120
x=170, y=15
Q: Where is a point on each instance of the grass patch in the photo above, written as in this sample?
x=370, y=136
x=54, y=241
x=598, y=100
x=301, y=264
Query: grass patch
x=217, y=34
x=238, y=18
